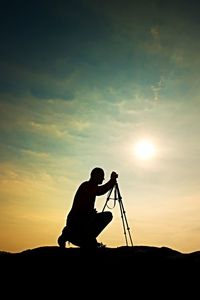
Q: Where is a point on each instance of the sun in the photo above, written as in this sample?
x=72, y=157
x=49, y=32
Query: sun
x=144, y=150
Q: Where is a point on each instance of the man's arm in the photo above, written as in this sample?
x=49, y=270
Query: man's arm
x=102, y=189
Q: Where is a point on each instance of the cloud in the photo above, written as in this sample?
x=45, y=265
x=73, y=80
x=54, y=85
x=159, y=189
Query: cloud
x=157, y=88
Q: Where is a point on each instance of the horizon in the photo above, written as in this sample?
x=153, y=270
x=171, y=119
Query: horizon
x=113, y=85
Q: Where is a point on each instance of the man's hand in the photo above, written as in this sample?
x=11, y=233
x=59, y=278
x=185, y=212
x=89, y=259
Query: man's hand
x=114, y=175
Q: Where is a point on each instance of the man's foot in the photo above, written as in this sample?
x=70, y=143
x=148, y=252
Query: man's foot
x=61, y=241
x=93, y=244
x=100, y=245
x=64, y=237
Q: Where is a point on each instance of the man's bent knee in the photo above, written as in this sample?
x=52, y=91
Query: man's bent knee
x=109, y=216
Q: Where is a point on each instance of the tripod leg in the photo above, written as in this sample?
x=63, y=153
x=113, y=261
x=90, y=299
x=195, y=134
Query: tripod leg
x=124, y=220
x=123, y=215
x=117, y=196
x=123, y=223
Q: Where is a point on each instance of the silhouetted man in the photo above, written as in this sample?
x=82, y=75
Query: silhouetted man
x=84, y=223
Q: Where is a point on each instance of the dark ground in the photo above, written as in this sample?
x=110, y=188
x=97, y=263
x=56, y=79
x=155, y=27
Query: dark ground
x=121, y=270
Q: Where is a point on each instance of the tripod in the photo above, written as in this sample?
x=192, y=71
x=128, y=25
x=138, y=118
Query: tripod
x=117, y=196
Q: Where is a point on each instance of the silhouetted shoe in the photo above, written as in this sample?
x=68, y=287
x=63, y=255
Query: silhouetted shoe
x=92, y=244
x=61, y=241
x=100, y=245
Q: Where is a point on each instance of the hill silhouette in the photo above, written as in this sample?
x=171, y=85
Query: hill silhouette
x=146, y=266
x=124, y=257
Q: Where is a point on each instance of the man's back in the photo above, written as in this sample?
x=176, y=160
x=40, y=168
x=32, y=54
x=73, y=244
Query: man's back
x=84, y=198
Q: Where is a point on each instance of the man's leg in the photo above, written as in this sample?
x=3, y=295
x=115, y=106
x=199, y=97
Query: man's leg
x=101, y=220
x=91, y=230
x=69, y=236
x=62, y=238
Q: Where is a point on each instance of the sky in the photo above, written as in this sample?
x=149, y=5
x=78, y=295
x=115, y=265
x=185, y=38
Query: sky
x=81, y=83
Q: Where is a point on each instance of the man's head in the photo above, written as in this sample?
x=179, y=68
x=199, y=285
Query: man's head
x=97, y=175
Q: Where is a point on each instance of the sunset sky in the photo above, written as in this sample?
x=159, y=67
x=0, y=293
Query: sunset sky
x=81, y=84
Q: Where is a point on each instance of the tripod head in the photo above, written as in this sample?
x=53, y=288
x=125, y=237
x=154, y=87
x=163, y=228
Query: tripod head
x=117, y=194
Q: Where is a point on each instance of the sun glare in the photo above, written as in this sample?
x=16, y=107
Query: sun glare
x=144, y=150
